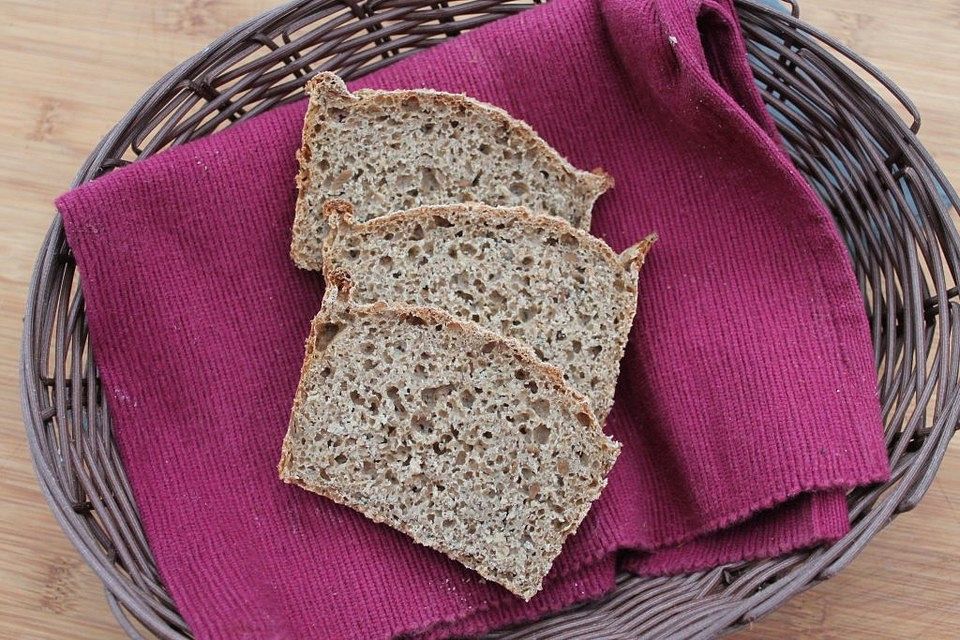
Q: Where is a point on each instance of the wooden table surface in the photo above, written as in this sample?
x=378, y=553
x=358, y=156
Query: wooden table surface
x=68, y=70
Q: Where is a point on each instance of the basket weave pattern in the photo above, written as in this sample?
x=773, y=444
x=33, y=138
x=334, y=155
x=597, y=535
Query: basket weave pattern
x=890, y=201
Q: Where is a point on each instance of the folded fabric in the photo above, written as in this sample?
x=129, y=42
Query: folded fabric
x=747, y=400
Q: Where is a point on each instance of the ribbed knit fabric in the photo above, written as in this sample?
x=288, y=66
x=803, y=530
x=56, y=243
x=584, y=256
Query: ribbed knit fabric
x=746, y=402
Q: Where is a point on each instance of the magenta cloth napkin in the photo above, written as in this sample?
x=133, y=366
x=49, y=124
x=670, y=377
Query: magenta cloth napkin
x=746, y=403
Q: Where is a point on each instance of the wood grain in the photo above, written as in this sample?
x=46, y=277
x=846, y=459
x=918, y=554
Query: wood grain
x=68, y=70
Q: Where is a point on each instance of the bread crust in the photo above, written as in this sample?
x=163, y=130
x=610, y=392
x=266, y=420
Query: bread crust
x=339, y=212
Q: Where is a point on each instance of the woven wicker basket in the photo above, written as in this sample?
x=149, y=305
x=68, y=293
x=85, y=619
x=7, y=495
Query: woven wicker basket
x=889, y=199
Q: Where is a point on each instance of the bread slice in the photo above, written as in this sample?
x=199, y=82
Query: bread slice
x=386, y=151
x=452, y=434
x=533, y=278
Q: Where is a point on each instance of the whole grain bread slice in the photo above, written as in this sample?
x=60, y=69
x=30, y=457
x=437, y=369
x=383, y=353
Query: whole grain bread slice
x=387, y=151
x=534, y=278
x=450, y=433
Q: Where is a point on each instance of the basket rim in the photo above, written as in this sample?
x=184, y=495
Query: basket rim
x=114, y=586
x=120, y=595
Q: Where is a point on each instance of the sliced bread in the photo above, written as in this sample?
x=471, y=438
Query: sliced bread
x=529, y=277
x=450, y=433
x=386, y=151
